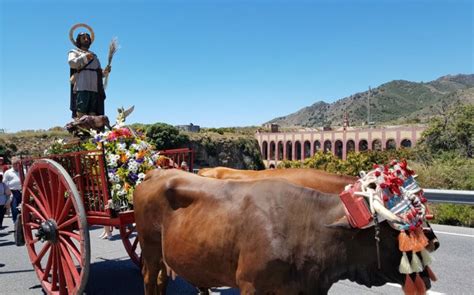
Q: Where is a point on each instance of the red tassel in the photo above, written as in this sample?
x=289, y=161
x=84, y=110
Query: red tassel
x=409, y=287
x=431, y=274
x=420, y=285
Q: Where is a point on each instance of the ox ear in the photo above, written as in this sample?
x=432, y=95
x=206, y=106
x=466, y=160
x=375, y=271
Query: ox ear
x=340, y=223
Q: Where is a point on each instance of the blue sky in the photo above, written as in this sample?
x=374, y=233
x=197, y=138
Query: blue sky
x=225, y=63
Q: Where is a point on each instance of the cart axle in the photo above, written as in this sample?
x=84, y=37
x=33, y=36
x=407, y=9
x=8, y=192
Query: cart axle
x=48, y=231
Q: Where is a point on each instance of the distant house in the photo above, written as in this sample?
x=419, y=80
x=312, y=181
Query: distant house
x=274, y=128
x=190, y=128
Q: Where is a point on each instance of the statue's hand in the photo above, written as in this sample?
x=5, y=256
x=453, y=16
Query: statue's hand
x=107, y=70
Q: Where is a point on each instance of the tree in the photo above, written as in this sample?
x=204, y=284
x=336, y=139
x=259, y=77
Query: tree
x=452, y=131
x=165, y=136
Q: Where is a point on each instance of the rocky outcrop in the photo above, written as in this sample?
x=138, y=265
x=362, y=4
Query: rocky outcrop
x=212, y=149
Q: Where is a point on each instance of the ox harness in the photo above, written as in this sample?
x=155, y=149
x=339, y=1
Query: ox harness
x=391, y=193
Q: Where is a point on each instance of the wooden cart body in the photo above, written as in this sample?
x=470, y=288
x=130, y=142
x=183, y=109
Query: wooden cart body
x=63, y=195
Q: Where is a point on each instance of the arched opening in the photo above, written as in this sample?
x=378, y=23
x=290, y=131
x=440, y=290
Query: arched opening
x=297, y=150
x=338, y=147
x=289, y=152
x=391, y=144
x=363, y=145
x=272, y=150
x=280, y=151
x=317, y=146
x=265, y=150
x=406, y=143
x=376, y=145
x=327, y=146
x=307, y=149
x=350, y=146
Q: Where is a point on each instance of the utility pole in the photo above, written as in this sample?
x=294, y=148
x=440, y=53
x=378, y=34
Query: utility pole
x=368, y=108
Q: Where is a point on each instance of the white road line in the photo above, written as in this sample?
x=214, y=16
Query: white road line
x=453, y=234
x=429, y=292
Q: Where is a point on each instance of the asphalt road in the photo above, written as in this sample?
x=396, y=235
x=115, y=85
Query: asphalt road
x=112, y=272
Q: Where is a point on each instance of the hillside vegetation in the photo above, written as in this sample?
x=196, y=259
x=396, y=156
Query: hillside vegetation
x=395, y=102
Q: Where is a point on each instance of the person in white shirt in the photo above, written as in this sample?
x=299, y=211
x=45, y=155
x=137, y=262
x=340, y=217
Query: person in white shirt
x=4, y=196
x=12, y=179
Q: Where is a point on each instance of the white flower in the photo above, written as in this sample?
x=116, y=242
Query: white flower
x=117, y=187
x=144, y=145
x=141, y=176
x=155, y=156
x=114, y=178
x=133, y=166
x=121, y=146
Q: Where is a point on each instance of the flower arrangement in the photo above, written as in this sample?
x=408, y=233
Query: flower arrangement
x=127, y=154
x=128, y=157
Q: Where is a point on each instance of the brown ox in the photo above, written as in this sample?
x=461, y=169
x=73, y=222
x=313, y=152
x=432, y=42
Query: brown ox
x=265, y=236
x=316, y=179
x=311, y=178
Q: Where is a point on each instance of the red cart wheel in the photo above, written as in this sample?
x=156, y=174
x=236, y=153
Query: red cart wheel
x=128, y=233
x=55, y=228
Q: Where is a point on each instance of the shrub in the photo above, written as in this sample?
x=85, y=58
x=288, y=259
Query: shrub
x=165, y=136
x=452, y=214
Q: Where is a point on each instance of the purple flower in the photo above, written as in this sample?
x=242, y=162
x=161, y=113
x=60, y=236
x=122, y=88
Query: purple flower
x=140, y=160
x=132, y=177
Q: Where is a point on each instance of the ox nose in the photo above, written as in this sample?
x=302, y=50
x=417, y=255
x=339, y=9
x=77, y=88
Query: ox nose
x=436, y=244
x=433, y=240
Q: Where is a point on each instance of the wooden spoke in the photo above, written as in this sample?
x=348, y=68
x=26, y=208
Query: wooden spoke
x=135, y=244
x=45, y=186
x=44, y=210
x=68, y=222
x=72, y=235
x=65, y=210
x=43, y=251
x=33, y=210
x=35, y=240
x=67, y=241
x=60, y=199
x=69, y=269
x=33, y=225
x=54, y=269
x=61, y=274
x=42, y=196
x=130, y=242
x=48, y=266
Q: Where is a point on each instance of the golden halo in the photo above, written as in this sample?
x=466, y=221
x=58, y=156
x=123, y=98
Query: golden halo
x=71, y=32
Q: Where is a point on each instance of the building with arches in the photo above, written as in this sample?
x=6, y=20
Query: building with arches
x=300, y=145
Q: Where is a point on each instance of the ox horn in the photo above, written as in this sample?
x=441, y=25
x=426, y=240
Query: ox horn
x=384, y=212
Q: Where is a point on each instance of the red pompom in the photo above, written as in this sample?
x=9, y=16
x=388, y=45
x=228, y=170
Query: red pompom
x=385, y=198
x=383, y=185
x=423, y=200
x=377, y=173
x=412, y=227
x=375, y=166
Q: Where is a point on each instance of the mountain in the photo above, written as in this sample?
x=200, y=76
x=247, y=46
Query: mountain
x=395, y=102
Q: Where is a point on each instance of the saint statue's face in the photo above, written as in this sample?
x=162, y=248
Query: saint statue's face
x=84, y=41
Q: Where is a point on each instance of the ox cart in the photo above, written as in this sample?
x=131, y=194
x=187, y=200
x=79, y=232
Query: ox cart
x=63, y=195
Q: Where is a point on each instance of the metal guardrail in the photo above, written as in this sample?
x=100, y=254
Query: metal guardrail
x=449, y=196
